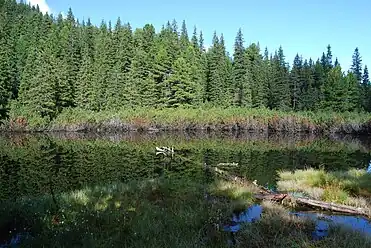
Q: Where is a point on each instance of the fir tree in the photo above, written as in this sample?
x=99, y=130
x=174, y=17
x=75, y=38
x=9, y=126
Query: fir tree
x=297, y=84
x=254, y=62
x=329, y=57
x=279, y=88
x=356, y=67
x=366, y=90
x=239, y=73
x=184, y=40
x=194, y=39
x=334, y=91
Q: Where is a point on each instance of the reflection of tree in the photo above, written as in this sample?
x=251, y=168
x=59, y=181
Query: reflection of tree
x=73, y=164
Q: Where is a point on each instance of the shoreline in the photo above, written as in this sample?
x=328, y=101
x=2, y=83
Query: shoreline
x=194, y=120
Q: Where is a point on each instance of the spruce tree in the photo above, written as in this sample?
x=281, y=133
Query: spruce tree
x=101, y=67
x=297, y=83
x=279, y=88
x=320, y=80
x=239, y=71
x=336, y=62
x=184, y=40
x=182, y=91
x=70, y=59
x=353, y=99
x=329, y=57
x=356, y=67
x=194, y=39
x=84, y=86
x=334, y=91
x=365, y=90
x=309, y=92
x=367, y=87
x=218, y=88
x=254, y=62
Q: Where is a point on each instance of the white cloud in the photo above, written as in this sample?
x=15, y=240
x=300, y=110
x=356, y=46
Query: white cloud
x=44, y=7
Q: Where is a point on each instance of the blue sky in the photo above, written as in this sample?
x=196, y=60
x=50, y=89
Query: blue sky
x=300, y=26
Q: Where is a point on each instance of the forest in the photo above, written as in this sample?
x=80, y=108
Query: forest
x=52, y=63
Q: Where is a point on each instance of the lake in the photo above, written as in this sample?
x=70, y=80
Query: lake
x=70, y=188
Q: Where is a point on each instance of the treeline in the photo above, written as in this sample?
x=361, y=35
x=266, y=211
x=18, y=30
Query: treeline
x=50, y=63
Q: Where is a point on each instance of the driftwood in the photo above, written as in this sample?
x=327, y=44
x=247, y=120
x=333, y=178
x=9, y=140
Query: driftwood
x=264, y=194
x=332, y=206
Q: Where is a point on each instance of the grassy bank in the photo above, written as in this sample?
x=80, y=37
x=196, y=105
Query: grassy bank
x=352, y=187
x=277, y=228
x=260, y=120
x=159, y=213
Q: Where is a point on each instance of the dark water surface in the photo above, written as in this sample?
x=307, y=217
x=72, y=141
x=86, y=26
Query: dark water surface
x=44, y=166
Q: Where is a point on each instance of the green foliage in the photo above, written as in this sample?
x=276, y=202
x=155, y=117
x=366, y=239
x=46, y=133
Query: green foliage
x=357, y=65
x=279, y=95
x=53, y=63
x=334, y=91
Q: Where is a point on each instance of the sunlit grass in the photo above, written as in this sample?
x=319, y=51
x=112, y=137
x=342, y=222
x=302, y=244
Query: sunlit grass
x=351, y=187
x=161, y=213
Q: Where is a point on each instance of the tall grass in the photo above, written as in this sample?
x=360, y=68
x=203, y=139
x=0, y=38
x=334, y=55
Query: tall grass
x=351, y=187
x=197, y=118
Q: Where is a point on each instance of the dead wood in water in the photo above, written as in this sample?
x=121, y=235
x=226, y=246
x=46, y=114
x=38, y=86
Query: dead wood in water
x=332, y=206
x=315, y=204
x=264, y=194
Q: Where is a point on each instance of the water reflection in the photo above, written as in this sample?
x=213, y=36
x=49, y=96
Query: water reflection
x=324, y=221
x=251, y=215
x=41, y=167
x=71, y=161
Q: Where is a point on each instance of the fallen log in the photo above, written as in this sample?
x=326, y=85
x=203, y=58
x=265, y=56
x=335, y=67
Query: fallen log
x=279, y=197
x=332, y=206
x=315, y=204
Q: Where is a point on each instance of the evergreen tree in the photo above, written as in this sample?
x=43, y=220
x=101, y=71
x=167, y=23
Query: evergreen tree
x=309, y=92
x=297, y=83
x=201, y=42
x=40, y=90
x=255, y=75
x=336, y=62
x=48, y=64
x=242, y=88
x=334, y=91
x=353, y=99
x=182, y=91
x=319, y=82
x=366, y=90
x=329, y=58
x=84, y=87
x=184, y=40
x=194, y=39
x=70, y=59
x=218, y=88
x=356, y=67
x=101, y=67
x=279, y=88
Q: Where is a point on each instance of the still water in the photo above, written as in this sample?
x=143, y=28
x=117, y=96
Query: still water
x=37, y=171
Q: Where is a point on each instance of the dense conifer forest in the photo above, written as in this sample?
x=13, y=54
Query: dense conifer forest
x=50, y=63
